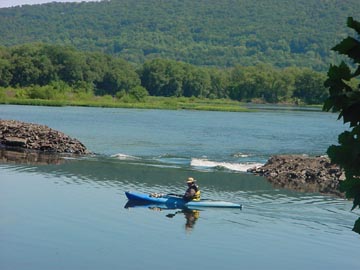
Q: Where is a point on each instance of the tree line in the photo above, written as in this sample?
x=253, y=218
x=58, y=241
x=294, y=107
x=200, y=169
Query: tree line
x=203, y=32
x=50, y=71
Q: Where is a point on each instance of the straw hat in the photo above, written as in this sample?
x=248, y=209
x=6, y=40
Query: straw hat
x=190, y=180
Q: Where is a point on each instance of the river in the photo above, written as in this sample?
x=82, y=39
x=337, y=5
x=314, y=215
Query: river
x=70, y=213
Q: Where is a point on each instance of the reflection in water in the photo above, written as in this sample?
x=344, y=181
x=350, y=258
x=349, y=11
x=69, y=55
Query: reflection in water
x=17, y=156
x=191, y=215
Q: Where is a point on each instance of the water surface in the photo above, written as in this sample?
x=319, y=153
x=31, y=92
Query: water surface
x=70, y=214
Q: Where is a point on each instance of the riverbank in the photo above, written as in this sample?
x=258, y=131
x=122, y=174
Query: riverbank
x=150, y=102
x=29, y=136
x=302, y=173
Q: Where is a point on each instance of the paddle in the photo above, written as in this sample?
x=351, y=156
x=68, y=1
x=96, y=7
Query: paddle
x=159, y=195
x=173, y=215
x=173, y=194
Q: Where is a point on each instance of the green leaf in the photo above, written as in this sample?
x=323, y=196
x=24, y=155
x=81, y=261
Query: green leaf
x=357, y=72
x=356, y=202
x=347, y=101
x=350, y=47
x=328, y=104
x=353, y=24
x=351, y=110
x=351, y=187
x=337, y=87
x=357, y=226
x=341, y=72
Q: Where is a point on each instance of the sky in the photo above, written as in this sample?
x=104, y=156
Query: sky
x=10, y=3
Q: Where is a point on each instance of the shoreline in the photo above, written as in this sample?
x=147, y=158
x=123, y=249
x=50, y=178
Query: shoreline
x=159, y=103
x=167, y=103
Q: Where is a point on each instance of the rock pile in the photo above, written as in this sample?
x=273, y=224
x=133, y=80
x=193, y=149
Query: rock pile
x=16, y=134
x=302, y=173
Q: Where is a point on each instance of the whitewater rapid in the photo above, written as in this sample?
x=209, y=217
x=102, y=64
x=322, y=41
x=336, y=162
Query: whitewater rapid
x=202, y=164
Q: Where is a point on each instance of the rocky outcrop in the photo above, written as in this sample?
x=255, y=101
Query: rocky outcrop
x=20, y=135
x=302, y=173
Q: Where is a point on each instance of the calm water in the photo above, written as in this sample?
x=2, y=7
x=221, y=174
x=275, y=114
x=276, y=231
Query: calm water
x=71, y=215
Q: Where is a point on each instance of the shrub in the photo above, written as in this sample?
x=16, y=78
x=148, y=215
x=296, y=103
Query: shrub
x=139, y=93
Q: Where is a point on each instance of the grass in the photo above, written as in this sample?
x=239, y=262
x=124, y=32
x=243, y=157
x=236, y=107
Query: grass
x=165, y=103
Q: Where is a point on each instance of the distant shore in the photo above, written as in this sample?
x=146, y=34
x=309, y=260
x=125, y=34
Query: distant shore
x=161, y=103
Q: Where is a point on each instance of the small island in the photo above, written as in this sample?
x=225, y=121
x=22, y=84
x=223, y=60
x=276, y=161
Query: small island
x=302, y=173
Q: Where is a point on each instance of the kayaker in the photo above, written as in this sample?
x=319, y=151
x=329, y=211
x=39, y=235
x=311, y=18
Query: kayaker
x=193, y=191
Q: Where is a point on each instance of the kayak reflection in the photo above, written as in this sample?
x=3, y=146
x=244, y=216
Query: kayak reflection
x=191, y=215
x=160, y=202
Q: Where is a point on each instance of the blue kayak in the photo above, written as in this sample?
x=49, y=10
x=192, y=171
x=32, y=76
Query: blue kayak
x=177, y=202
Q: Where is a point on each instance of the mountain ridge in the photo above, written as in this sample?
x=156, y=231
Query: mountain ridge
x=204, y=32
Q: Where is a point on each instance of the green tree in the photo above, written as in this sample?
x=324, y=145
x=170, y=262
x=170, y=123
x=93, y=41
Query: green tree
x=346, y=100
x=270, y=84
x=119, y=75
x=96, y=65
x=219, y=83
x=5, y=67
x=212, y=32
x=71, y=66
x=196, y=82
x=29, y=65
x=5, y=72
x=163, y=77
x=309, y=87
x=241, y=84
x=261, y=81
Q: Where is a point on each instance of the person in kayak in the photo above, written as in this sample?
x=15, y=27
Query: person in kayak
x=193, y=192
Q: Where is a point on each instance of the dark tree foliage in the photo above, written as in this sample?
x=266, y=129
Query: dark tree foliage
x=171, y=78
x=203, y=32
x=118, y=75
x=309, y=86
x=346, y=100
x=43, y=65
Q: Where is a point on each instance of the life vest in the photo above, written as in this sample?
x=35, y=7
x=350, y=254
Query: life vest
x=197, y=194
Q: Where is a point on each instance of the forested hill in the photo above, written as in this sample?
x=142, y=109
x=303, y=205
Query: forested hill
x=202, y=32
